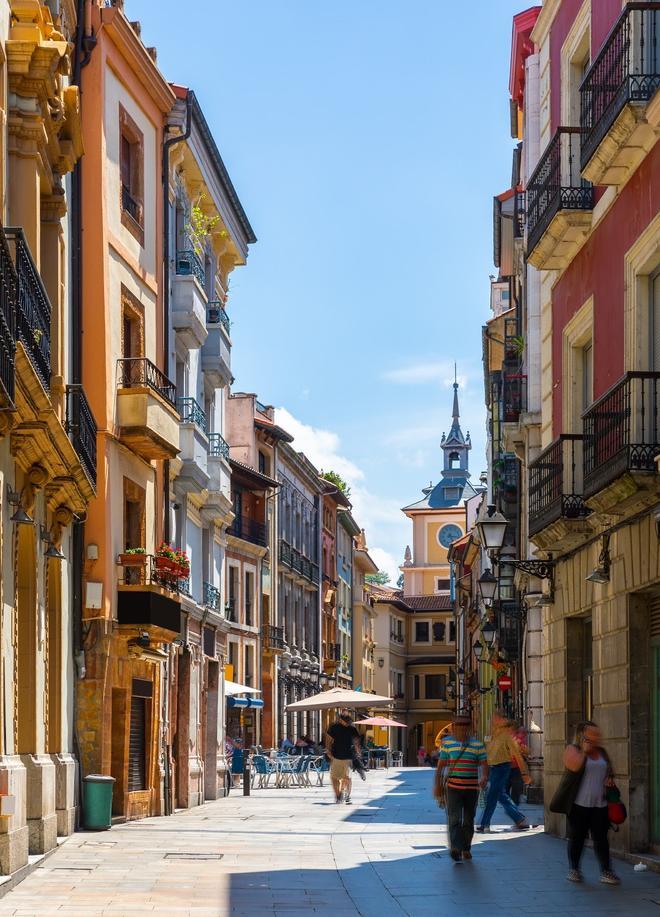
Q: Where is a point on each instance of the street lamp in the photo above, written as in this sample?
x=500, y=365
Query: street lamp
x=478, y=650
x=491, y=529
x=489, y=631
x=487, y=585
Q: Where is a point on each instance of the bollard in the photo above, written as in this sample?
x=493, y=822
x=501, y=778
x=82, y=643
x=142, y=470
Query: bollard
x=246, y=778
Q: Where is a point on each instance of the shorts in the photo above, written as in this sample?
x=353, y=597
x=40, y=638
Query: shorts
x=340, y=769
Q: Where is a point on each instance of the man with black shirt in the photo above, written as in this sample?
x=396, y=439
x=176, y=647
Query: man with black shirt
x=342, y=742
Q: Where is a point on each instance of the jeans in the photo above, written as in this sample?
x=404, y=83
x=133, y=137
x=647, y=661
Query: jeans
x=516, y=785
x=498, y=780
x=581, y=821
x=461, y=809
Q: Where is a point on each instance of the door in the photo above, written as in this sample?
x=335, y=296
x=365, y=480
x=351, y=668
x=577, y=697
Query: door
x=137, y=746
x=654, y=615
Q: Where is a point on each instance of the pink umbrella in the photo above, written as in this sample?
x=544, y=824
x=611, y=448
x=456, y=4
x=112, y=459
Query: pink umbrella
x=379, y=721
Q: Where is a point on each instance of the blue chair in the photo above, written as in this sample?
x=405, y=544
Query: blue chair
x=262, y=770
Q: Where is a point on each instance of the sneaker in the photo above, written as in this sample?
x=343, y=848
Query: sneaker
x=455, y=855
x=574, y=875
x=467, y=855
x=522, y=825
x=610, y=878
x=348, y=800
x=484, y=829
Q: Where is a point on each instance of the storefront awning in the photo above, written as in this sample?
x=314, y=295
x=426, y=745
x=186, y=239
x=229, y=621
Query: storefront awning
x=237, y=702
x=255, y=702
x=233, y=687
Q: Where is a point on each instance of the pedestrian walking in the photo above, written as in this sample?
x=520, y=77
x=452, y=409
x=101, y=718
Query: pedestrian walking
x=462, y=771
x=501, y=749
x=581, y=795
x=342, y=743
x=516, y=784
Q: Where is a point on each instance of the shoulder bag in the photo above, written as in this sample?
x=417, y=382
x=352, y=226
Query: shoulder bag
x=564, y=796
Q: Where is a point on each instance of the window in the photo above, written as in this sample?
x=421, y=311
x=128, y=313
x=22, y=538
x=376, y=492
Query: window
x=131, y=168
x=439, y=632
x=454, y=460
x=249, y=598
x=233, y=658
x=654, y=314
x=233, y=593
x=248, y=674
x=434, y=687
x=399, y=684
x=441, y=584
x=132, y=326
x=399, y=628
x=452, y=493
x=134, y=515
x=452, y=631
x=421, y=631
x=587, y=375
x=415, y=687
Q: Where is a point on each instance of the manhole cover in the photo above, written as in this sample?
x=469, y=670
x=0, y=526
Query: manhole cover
x=193, y=856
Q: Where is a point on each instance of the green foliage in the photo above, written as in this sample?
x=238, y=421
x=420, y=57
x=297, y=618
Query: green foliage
x=338, y=481
x=200, y=226
x=378, y=579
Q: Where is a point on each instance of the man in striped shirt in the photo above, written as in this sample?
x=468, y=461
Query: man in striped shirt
x=464, y=767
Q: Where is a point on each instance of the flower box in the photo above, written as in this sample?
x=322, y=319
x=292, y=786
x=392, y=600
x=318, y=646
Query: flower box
x=133, y=560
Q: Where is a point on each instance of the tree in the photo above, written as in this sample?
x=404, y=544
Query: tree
x=338, y=481
x=378, y=579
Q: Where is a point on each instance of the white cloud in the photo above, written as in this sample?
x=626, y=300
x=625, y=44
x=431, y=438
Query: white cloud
x=320, y=446
x=433, y=371
x=386, y=562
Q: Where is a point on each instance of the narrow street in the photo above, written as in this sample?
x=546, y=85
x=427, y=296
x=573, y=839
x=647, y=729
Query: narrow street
x=293, y=850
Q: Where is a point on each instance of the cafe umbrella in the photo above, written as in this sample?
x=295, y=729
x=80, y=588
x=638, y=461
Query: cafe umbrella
x=338, y=697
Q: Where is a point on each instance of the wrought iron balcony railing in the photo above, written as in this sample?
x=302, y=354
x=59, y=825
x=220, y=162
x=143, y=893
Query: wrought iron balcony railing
x=627, y=69
x=519, y=215
x=216, y=315
x=556, y=184
x=218, y=446
x=622, y=431
x=147, y=570
x=34, y=309
x=81, y=428
x=139, y=371
x=211, y=596
x=249, y=530
x=191, y=412
x=555, y=483
x=8, y=304
x=188, y=262
x=129, y=204
x=273, y=637
x=514, y=396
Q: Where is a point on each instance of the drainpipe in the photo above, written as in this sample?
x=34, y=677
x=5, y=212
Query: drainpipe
x=165, y=167
x=84, y=46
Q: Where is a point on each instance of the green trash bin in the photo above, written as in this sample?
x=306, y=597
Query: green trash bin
x=97, y=801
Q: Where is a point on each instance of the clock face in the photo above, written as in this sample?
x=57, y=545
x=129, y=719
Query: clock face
x=448, y=533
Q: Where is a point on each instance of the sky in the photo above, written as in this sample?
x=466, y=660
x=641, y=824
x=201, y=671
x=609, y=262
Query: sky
x=366, y=140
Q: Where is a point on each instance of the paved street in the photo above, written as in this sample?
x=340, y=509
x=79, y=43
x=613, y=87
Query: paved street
x=291, y=851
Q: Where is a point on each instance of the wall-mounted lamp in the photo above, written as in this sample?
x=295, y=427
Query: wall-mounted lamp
x=492, y=528
x=487, y=585
x=601, y=572
x=52, y=551
x=19, y=516
x=489, y=631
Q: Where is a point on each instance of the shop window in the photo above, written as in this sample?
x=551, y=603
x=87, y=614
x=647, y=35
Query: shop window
x=131, y=163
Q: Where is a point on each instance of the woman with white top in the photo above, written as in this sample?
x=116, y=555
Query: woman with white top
x=588, y=814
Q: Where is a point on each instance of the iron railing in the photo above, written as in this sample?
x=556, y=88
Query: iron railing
x=139, y=371
x=622, y=431
x=627, y=69
x=191, y=412
x=188, y=262
x=514, y=396
x=273, y=637
x=34, y=310
x=216, y=315
x=211, y=596
x=249, y=530
x=519, y=215
x=556, y=184
x=146, y=570
x=261, y=407
x=129, y=204
x=299, y=562
x=8, y=303
x=555, y=483
x=218, y=446
x=81, y=428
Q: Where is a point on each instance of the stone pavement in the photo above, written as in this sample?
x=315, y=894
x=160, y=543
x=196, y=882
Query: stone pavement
x=292, y=851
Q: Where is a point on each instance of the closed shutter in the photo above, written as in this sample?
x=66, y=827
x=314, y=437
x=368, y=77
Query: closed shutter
x=137, y=750
x=654, y=616
x=654, y=308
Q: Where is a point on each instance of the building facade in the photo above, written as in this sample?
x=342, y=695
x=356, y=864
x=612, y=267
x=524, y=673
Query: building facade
x=47, y=448
x=364, y=615
x=347, y=530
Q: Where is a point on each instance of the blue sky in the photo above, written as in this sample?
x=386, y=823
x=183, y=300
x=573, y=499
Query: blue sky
x=366, y=139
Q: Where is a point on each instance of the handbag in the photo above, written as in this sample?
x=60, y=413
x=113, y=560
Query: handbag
x=564, y=796
x=616, y=810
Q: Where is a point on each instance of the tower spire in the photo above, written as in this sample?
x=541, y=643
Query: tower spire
x=455, y=412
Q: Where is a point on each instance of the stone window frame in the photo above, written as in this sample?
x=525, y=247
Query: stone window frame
x=129, y=130
x=417, y=642
x=134, y=493
x=576, y=44
x=577, y=333
x=640, y=262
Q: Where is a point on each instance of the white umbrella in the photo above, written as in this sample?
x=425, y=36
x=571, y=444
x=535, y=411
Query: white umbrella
x=339, y=697
x=233, y=687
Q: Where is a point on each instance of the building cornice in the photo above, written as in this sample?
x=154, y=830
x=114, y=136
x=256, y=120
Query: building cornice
x=546, y=17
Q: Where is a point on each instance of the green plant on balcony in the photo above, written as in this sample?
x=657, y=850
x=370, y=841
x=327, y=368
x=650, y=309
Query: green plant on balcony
x=170, y=560
x=200, y=226
x=133, y=557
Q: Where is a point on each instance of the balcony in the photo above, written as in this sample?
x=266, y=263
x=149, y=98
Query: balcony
x=273, y=638
x=34, y=310
x=299, y=563
x=514, y=396
x=557, y=511
x=216, y=355
x=192, y=471
x=146, y=414
x=8, y=303
x=621, y=442
x=509, y=629
x=619, y=125
x=81, y=429
x=211, y=597
x=148, y=596
x=559, y=203
x=189, y=300
x=249, y=530
x=216, y=315
x=218, y=504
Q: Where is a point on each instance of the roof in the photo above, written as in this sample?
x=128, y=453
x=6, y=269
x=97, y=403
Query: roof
x=440, y=602
x=256, y=477
x=269, y=427
x=436, y=499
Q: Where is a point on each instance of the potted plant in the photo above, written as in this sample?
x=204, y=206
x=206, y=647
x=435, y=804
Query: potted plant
x=166, y=559
x=183, y=564
x=133, y=557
